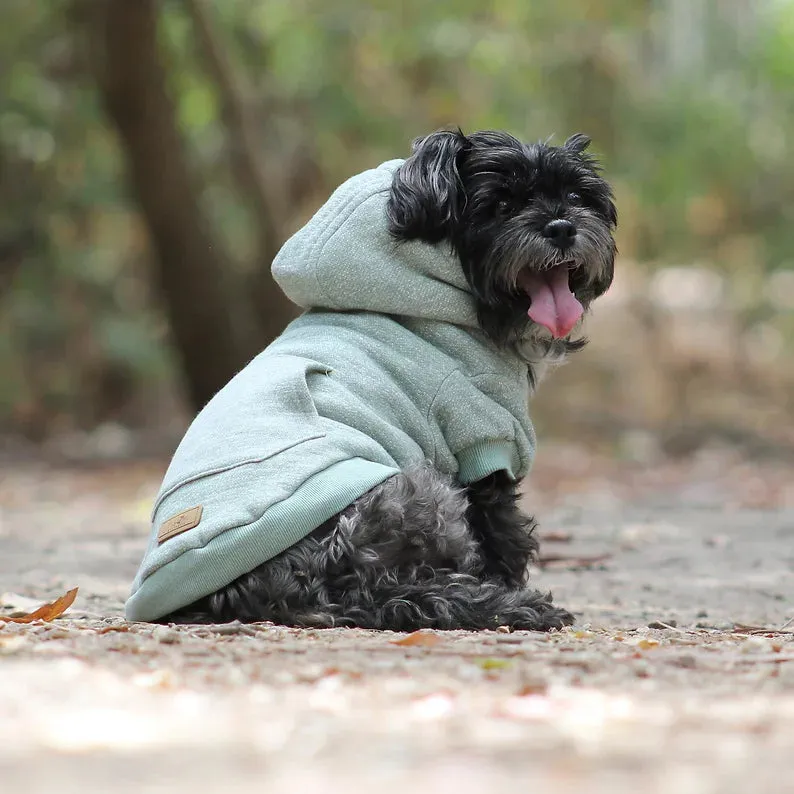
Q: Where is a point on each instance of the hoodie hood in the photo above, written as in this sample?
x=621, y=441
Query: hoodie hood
x=344, y=259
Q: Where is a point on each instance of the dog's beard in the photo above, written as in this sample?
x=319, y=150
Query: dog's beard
x=523, y=278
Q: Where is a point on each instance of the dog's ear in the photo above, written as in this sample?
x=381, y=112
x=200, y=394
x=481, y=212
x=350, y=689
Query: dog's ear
x=577, y=143
x=426, y=194
x=612, y=212
x=603, y=283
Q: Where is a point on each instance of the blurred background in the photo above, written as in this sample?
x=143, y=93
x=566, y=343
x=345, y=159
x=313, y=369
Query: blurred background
x=155, y=155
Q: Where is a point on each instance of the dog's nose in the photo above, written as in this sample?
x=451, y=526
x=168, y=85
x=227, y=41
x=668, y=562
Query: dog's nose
x=560, y=233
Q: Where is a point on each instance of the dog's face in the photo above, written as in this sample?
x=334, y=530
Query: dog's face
x=532, y=225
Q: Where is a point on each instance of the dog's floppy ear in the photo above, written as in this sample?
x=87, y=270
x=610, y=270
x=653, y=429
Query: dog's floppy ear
x=577, y=143
x=604, y=281
x=426, y=194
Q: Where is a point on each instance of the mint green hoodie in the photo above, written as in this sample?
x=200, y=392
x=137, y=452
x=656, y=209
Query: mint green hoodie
x=386, y=368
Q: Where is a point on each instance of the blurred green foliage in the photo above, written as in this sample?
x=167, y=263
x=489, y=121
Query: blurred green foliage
x=690, y=104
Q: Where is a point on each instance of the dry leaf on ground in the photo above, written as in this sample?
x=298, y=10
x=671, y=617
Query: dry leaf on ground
x=109, y=629
x=424, y=639
x=48, y=611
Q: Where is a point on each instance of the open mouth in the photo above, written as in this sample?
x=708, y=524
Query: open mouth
x=552, y=303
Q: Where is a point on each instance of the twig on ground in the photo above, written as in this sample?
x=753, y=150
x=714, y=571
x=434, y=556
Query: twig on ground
x=740, y=628
x=571, y=561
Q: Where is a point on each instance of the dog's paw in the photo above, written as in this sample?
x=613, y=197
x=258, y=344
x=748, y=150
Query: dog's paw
x=535, y=612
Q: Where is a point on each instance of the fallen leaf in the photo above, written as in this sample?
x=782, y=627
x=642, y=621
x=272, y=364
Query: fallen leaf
x=48, y=611
x=108, y=629
x=418, y=639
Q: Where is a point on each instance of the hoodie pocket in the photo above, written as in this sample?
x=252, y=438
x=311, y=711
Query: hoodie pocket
x=264, y=410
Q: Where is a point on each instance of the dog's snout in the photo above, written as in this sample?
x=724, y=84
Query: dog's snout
x=560, y=233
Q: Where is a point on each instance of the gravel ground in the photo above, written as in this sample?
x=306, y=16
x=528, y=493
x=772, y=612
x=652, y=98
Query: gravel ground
x=660, y=687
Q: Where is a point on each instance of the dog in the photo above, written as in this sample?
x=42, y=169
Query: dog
x=523, y=236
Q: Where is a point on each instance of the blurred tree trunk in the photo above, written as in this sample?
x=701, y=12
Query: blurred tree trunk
x=206, y=315
x=13, y=250
x=19, y=228
x=267, y=203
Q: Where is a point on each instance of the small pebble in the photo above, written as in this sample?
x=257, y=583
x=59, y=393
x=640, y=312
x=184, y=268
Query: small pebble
x=686, y=660
x=511, y=639
x=17, y=628
x=166, y=636
x=10, y=645
x=753, y=644
x=58, y=633
x=228, y=629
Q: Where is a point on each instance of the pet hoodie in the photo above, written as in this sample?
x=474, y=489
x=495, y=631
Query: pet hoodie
x=387, y=368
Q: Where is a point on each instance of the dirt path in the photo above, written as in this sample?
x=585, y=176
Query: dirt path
x=89, y=703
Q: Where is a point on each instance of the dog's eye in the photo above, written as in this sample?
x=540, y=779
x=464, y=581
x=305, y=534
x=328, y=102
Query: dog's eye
x=503, y=207
x=573, y=198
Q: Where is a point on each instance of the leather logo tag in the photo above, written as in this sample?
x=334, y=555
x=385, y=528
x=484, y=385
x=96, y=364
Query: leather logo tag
x=179, y=523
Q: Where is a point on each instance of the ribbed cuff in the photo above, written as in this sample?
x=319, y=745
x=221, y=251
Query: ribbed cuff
x=483, y=459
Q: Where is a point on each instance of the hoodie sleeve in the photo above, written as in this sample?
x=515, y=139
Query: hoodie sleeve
x=483, y=426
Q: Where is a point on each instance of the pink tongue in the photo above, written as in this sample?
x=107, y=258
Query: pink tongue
x=553, y=304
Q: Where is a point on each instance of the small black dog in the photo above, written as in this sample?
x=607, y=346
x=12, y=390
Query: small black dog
x=532, y=227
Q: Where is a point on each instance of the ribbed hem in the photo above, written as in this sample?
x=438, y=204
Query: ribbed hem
x=201, y=571
x=483, y=459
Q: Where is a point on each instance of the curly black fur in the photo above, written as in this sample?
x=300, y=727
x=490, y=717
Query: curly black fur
x=415, y=552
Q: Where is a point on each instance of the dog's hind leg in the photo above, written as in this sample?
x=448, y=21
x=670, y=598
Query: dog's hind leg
x=402, y=557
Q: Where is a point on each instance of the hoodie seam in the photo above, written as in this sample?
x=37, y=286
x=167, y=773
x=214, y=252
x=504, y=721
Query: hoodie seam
x=344, y=214
x=297, y=488
x=515, y=420
x=430, y=409
x=320, y=241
